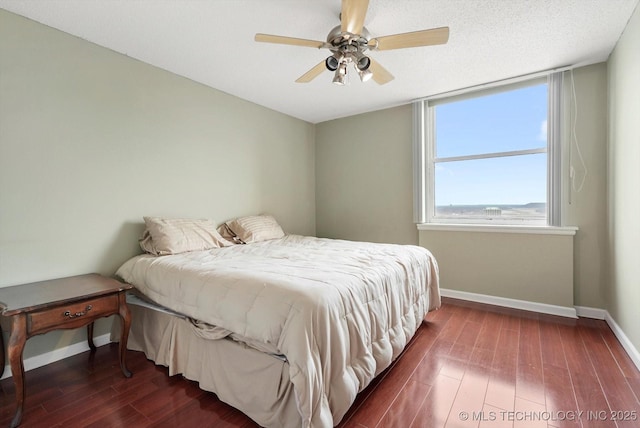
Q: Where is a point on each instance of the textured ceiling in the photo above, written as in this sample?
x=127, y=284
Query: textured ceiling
x=211, y=41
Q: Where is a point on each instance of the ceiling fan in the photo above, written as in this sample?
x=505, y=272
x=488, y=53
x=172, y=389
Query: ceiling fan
x=349, y=41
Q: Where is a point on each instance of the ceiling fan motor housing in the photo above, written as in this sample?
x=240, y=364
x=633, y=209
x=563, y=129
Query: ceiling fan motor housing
x=347, y=47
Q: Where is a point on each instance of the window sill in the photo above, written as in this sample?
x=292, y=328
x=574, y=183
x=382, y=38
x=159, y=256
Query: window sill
x=502, y=228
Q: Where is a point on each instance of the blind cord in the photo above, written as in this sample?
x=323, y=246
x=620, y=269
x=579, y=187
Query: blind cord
x=574, y=140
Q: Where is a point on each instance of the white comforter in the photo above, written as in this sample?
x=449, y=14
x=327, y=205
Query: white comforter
x=340, y=311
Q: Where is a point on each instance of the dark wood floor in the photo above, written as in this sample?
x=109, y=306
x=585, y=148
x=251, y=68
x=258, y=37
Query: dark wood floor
x=469, y=365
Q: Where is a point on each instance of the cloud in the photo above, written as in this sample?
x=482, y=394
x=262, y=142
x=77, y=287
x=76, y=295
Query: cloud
x=440, y=168
x=542, y=136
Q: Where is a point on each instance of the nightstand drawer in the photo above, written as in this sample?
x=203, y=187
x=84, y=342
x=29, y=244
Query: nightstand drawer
x=72, y=315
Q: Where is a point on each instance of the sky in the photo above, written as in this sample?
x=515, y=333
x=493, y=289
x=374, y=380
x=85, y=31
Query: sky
x=502, y=122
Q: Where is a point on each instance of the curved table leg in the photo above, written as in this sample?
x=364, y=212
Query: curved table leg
x=90, y=337
x=125, y=316
x=16, y=345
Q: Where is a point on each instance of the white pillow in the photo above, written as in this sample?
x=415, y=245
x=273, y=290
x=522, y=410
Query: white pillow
x=179, y=235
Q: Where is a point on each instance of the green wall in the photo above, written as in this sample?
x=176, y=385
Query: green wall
x=623, y=288
x=364, y=177
x=364, y=192
x=92, y=140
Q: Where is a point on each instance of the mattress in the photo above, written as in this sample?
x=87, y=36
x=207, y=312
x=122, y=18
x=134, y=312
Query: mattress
x=339, y=311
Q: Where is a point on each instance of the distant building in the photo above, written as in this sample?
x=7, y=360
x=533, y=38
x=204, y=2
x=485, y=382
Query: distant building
x=492, y=211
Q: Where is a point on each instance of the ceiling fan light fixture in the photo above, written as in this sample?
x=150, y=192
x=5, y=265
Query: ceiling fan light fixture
x=332, y=62
x=343, y=68
x=362, y=61
x=365, y=75
x=340, y=77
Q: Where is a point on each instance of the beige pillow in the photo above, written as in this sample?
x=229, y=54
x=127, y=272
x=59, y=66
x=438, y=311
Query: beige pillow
x=255, y=228
x=178, y=235
x=229, y=234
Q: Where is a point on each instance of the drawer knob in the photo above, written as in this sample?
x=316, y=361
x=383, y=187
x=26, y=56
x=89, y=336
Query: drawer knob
x=77, y=314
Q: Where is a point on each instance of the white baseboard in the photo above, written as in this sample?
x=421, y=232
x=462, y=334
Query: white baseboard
x=58, y=354
x=632, y=351
x=511, y=303
x=595, y=313
x=602, y=314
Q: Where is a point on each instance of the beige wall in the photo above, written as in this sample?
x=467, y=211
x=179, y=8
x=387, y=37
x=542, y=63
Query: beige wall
x=364, y=177
x=623, y=288
x=91, y=140
x=364, y=192
x=529, y=267
x=587, y=208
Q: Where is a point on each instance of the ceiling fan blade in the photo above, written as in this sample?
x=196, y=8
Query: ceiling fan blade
x=269, y=38
x=380, y=74
x=312, y=74
x=435, y=36
x=352, y=15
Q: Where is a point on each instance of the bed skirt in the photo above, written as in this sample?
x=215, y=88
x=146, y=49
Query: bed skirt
x=251, y=381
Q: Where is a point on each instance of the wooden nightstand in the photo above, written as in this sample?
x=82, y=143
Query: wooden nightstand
x=63, y=303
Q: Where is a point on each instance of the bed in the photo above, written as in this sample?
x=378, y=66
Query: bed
x=286, y=329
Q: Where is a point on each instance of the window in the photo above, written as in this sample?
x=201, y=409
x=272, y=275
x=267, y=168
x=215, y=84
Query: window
x=490, y=156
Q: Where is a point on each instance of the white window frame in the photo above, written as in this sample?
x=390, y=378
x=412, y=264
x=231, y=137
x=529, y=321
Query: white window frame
x=425, y=153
